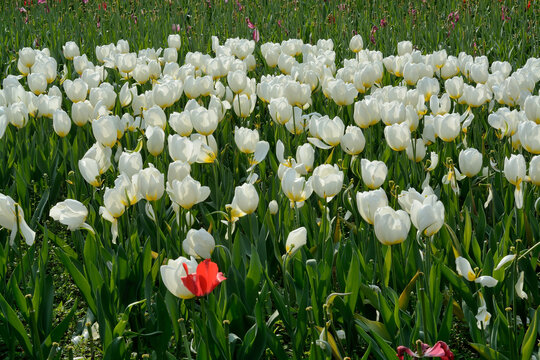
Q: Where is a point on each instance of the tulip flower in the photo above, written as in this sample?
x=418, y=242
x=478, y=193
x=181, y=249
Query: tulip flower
x=398, y=136
x=514, y=171
x=61, y=123
x=280, y=110
x=534, y=170
x=113, y=209
x=470, y=162
x=199, y=244
x=70, y=50
x=12, y=218
x=416, y=150
x=71, y=213
x=174, y=271
x=37, y=82
x=187, y=192
x=27, y=56
x=465, y=270
x=105, y=130
x=391, y=226
x=367, y=112
x=439, y=350
x=204, y=121
x=427, y=215
x=181, y=123
x=82, y=112
x=295, y=240
x=529, y=133
x=295, y=187
x=204, y=280
x=330, y=131
x=155, y=140
x=519, y=286
x=369, y=201
x=130, y=163
x=356, y=44
x=245, y=201
x=327, y=181
x=183, y=149
x=483, y=316
x=305, y=156
x=373, y=173
x=150, y=183
x=353, y=141
x=246, y=139
x=273, y=207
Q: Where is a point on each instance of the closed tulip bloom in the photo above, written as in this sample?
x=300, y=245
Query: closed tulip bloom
x=532, y=108
x=37, y=82
x=90, y=171
x=113, y=209
x=178, y=170
x=155, y=116
x=305, y=155
x=126, y=62
x=48, y=104
x=70, y=50
x=237, y=81
x=141, y=73
x=327, y=181
x=27, y=56
x=170, y=55
x=280, y=110
x=105, y=130
x=366, y=112
x=174, y=271
x=151, y=183
x=373, y=173
x=204, y=121
x=102, y=155
x=353, y=141
x=391, y=226
x=76, y=90
x=246, y=139
x=61, y=123
x=155, y=140
x=199, y=244
x=454, y=87
x=187, y=192
x=183, y=149
x=243, y=105
x=404, y=47
x=165, y=94
x=534, y=170
x=341, y=92
x=174, y=41
x=330, y=131
x=295, y=240
x=273, y=207
x=81, y=63
x=447, y=127
x=181, y=123
x=428, y=215
x=246, y=198
x=12, y=218
x=470, y=162
x=369, y=201
x=130, y=163
x=529, y=136
x=393, y=112
x=398, y=136
x=514, y=171
x=356, y=44
x=71, y=213
x=82, y=112
x=416, y=150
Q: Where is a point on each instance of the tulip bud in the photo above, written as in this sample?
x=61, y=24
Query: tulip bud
x=27, y=57
x=356, y=44
x=273, y=207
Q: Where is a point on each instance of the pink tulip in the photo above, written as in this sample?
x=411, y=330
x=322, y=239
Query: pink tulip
x=439, y=350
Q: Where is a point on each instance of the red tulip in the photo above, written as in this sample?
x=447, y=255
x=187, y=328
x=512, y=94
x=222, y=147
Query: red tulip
x=439, y=350
x=204, y=280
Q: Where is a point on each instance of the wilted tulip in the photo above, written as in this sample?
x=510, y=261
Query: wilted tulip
x=369, y=201
x=187, y=192
x=295, y=240
x=12, y=218
x=465, y=270
x=391, y=227
x=470, y=162
x=514, y=171
x=71, y=213
x=199, y=244
x=373, y=173
x=61, y=123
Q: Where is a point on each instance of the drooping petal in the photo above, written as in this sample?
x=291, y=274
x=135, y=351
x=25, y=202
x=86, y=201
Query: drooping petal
x=504, y=261
x=464, y=269
x=487, y=281
x=519, y=286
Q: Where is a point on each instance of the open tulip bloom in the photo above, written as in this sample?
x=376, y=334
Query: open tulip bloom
x=206, y=278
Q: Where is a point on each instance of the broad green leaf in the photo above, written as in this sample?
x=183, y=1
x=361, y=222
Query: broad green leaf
x=530, y=339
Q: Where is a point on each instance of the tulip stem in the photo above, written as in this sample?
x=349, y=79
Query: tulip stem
x=182, y=321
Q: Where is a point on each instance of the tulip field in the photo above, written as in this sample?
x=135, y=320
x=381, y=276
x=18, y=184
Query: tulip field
x=269, y=180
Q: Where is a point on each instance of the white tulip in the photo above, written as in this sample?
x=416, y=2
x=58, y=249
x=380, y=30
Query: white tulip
x=295, y=240
x=71, y=213
x=391, y=227
x=470, y=162
x=369, y=201
x=199, y=244
x=373, y=173
x=12, y=218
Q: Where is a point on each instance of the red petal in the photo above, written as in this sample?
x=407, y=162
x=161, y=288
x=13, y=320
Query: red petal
x=208, y=276
x=191, y=283
x=401, y=350
x=440, y=349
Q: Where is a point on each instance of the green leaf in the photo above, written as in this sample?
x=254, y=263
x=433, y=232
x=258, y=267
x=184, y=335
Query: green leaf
x=406, y=294
x=467, y=231
x=58, y=332
x=11, y=317
x=530, y=338
x=487, y=352
x=374, y=326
